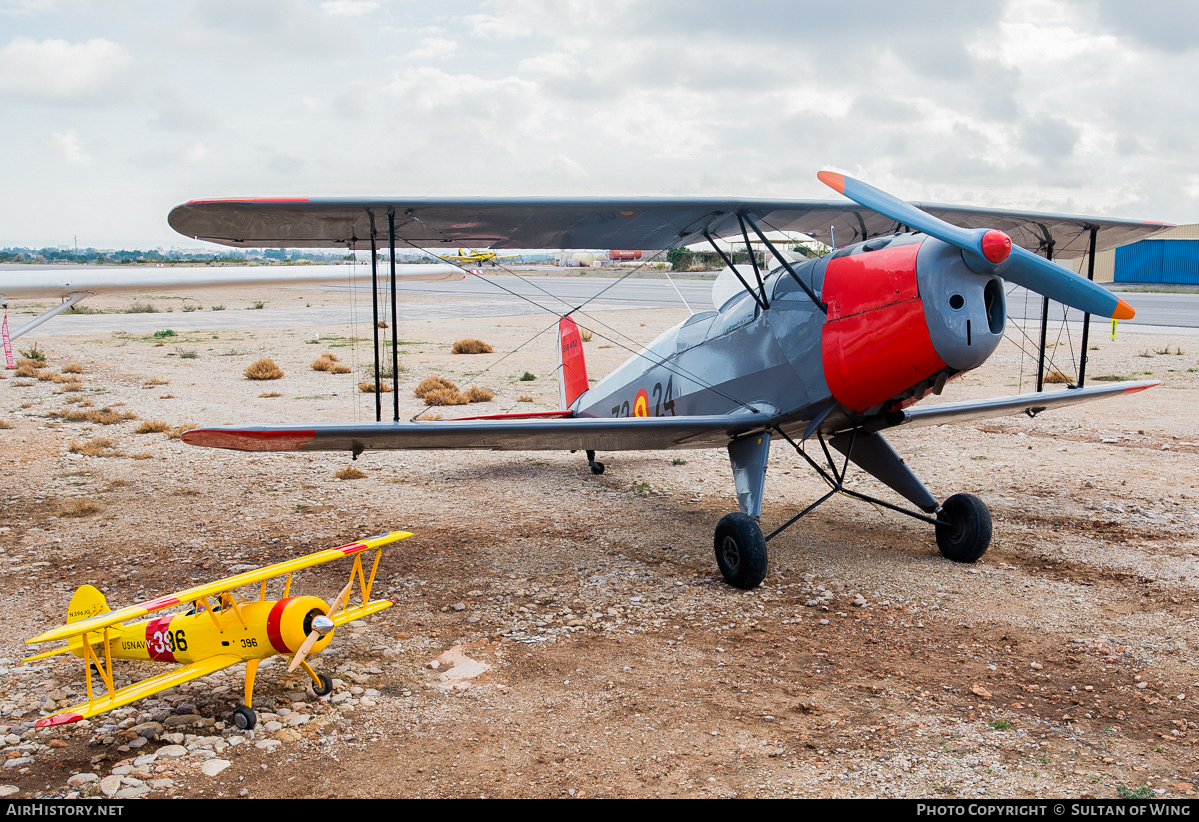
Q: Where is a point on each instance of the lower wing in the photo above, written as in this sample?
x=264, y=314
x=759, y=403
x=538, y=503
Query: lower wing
x=139, y=690
x=574, y=434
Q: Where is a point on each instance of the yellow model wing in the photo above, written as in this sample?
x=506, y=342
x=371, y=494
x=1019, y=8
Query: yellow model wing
x=360, y=611
x=139, y=690
x=101, y=621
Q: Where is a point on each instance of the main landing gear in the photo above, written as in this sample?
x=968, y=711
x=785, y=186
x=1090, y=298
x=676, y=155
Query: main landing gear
x=597, y=468
x=962, y=523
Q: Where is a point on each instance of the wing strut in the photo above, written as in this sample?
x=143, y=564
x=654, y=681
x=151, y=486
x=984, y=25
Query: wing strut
x=786, y=264
x=1086, y=318
x=395, y=339
x=375, y=314
x=729, y=263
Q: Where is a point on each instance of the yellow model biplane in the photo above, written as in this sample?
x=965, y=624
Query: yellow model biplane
x=219, y=629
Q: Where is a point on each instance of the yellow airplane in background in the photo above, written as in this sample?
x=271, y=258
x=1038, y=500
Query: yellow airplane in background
x=474, y=256
x=220, y=629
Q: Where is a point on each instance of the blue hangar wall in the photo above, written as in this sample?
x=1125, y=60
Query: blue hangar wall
x=1158, y=261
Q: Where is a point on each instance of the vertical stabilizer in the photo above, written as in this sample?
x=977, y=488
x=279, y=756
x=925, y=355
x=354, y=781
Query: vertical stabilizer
x=572, y=379
x=86, y=603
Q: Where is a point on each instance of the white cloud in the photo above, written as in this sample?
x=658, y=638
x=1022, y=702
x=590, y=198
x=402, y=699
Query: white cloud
x=59, y=70
x=348, y=8
x=196, y=154
x=71, y=147
x=434, y=48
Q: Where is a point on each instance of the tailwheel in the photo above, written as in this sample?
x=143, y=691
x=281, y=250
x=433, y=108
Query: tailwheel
x=968, y=534
x=245, y=718
x=325, y=687
x=740, y=551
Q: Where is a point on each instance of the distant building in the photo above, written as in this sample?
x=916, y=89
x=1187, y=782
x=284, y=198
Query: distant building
x=1169, y=257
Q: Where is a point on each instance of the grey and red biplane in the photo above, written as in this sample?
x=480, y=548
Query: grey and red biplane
x=836, y=349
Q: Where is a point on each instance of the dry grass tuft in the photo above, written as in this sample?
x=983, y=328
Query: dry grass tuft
x=1058, y=378
x=103, y=416
x=50, y=376
x=68, y=387
x=477, y=394
x=77, y=399
x=445, y=396
x=22, y=383
x=428, y=416
x=28, y=368
x=470, y=346
x=5, y=425
x=434, y=384
x=524, y=398
x=98, y=447
x=72, y=368
x=118, y=483
x=369, y=387
x=81, y=508
x=142, y=456
x=349, y=474
x=176, y=433
x=186, y=492
x=270, y=394
x=153, y=381
x=585, y=334
x=329, y=362
x=152, y=427
x=264, y=369
x=166, y=396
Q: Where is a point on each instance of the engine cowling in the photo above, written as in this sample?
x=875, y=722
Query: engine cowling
x=290, y=621
x=901, y=316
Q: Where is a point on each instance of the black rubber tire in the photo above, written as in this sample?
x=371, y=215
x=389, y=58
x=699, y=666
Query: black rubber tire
x=245, y=718
x=969, y=536
x=740, y=551
x=326, y=685
x=597, y=468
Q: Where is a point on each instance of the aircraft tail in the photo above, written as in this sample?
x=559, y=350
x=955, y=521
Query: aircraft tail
x=572, y=381
x=86, y=603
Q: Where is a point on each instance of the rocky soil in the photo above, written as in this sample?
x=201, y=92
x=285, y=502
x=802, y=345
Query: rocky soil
x=561, y=634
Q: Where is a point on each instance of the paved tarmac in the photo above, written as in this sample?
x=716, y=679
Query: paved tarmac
x=506, y=295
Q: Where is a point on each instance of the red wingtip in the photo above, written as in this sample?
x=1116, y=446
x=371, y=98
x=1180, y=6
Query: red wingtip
x=833, y=180
x=1124, y=311
x=1137, y=388
x=57, y=719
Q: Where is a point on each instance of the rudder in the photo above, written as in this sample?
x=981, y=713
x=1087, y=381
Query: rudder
x=572, y=381
x=86, y=603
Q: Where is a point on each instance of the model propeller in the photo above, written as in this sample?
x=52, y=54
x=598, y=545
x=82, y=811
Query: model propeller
x=321, y=625
x=989, y=251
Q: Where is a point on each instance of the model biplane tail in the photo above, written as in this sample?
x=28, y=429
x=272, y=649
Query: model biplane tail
x=572, y=382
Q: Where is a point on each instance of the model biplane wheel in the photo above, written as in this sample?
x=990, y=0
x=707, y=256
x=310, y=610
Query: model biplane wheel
x=245, y=718
x=597, y=468
x=740, y=551
x=326, y=686
x=969, y=535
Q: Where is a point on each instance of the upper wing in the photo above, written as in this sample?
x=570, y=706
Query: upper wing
x=139, y=690
x=44, y=284
x=211, y=588
x=592, y=222
x=1031, y=404
x=575, y=434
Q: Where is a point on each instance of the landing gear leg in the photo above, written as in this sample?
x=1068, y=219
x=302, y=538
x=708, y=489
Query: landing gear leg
x=597, y=468
x=322, y=684
x=243, y=715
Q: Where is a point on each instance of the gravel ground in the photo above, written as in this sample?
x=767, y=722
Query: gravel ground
x=561, y=634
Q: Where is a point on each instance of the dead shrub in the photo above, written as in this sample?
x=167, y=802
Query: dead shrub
x=264, y=369
x=177, y=432
x=5, y=425
x=186, y=492
x=524, y=398
x=329, y=362
x=166, y=396
x=349, y=474
x=72, y=368
x=81, y=508
x=585, y=334
x=477, y=394
x=470, y=346
x=22, y=383
x=102, y=416
x=50, y=376
x=369, y=387
x=152, y=427
x=270, y=394
x=142, y=456
x=117, y=483
x=68, y=387
x=28, y=368
x=445, y=396
x=433, y=384
x=153, y=381
x=1057, y=378
x=77, y=399
x=98, y=447
x=428, y=416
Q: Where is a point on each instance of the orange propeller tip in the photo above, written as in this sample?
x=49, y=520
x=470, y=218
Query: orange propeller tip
x=1124, y=311
x=833, y=180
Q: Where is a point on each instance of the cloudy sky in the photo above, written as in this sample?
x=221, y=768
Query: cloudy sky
x=115, y=111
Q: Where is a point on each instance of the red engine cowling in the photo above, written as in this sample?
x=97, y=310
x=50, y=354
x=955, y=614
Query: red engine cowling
x=875, y=341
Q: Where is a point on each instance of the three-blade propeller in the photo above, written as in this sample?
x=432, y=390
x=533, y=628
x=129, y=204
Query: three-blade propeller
x=321, y=625
x=989, y=251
